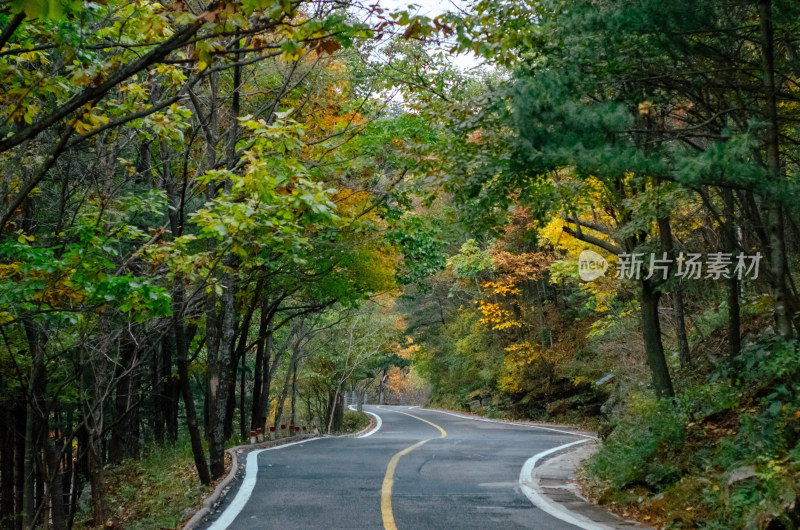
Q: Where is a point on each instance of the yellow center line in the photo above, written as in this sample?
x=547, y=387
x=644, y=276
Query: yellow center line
x=388, y=479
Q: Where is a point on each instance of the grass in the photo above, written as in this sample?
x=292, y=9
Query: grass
x=153, y=492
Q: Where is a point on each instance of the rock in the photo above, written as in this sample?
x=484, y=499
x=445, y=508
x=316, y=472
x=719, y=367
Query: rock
x=610, y=404
x=474, y=405
x=592, y=409
x=559, y=407
x=741, y=473
x=85, y=498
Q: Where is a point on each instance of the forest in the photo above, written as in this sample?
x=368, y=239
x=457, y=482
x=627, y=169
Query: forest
x=230, y=215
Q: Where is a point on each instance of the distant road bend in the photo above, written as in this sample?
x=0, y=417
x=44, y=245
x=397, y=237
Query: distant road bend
x=422, y=469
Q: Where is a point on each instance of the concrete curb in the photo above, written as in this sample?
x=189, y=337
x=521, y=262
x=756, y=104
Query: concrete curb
x=210, y=501
x=548, y=480
x=375, y=425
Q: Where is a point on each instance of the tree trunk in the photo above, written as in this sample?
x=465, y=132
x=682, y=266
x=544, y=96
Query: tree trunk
x=35, y=421
x=6, y=462
x=258, y=418
x=654, y=348
x=75, y=481
x=667, y=243
x=55, y=486
x=269, y=371
x=230, y=404
x=156, y=396
x=170, y=392
x=241, y=355
x=123, y=444
x=772, y=147
x=284, y=392
x=215, y=373
x=182, y=350
x=20, y=421
x=734, y=325
x=294, y=393
x=229, y=310
x=295, y=334
x=380, y=387
x=335, y=411
x=219, y=414
x=97, y=479
x=242, y=399
x=684, y=354
x=94, y=418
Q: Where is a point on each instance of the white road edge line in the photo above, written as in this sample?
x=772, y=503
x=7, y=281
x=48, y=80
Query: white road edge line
x=545, y=504
x=529, y=425
x=377, y=427
x=377, y=419
x=248, y=484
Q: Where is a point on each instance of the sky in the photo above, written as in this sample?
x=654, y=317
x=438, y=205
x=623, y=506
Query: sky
x=432, y=8
x=428, y=8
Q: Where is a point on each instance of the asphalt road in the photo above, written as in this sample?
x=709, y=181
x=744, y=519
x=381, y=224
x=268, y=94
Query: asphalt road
x=422, y=469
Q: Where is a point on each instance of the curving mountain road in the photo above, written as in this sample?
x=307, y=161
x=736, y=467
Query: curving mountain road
x=421, y=469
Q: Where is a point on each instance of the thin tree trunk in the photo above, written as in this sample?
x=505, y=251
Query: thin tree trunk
x=775, y=217
x=75, y=489
x=668, y=244
x=20, y=422
x=28, y=501
x=296, y=327
x=6, y=461
x=684, y=353
x=182, y=349
x=269, y=371
x=654, y=348
x=219, y=414
x=335, y=411
x=734, y=325
x=258, y=418
x=122, y=444
x=55, y=486
x=170, y=391
x=284, y=392
x=34, y=423
x=294, y=393
x=95, y=418
x=242, y=399
x=230, y=403
x=215, y=372
x=156, y=396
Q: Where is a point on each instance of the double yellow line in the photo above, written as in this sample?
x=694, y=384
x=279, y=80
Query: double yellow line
x=388, y=479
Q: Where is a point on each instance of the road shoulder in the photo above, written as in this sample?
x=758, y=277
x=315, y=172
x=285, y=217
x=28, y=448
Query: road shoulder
x=236, y=473
x=550, y=484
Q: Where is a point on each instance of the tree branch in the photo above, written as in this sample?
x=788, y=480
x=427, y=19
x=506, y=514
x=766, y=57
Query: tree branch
x=592, y=240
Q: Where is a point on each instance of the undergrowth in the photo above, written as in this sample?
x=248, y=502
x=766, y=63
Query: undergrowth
x=722, y=454
x=153, y=492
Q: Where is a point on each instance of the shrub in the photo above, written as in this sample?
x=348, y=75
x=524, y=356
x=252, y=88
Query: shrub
x=354, y=421
x=722, y=454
